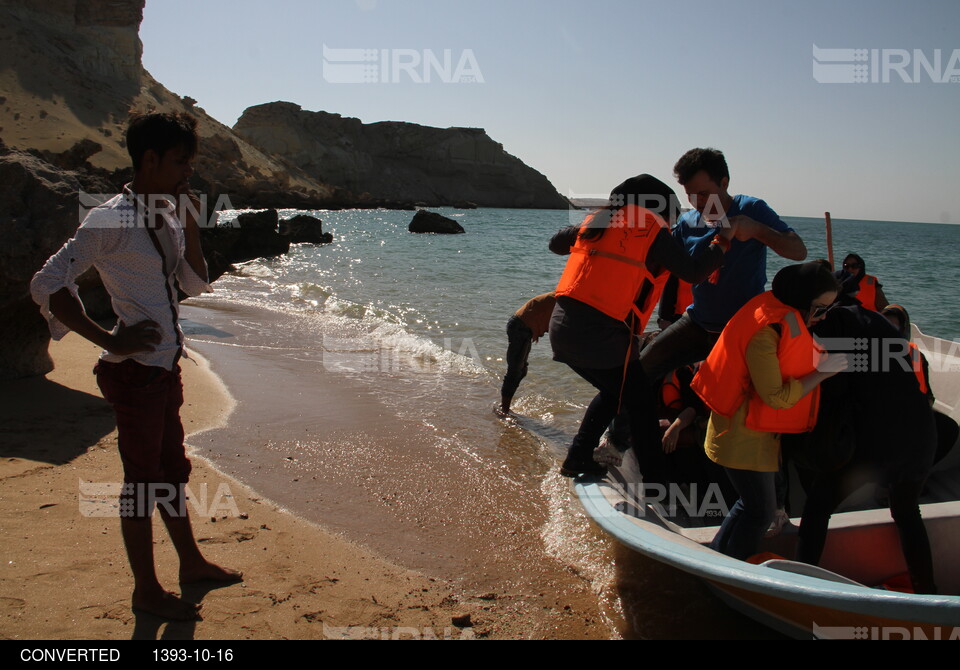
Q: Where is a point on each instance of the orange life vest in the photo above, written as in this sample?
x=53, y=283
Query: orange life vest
x=723, y=380
x=670, y=396
x=684, y=296
x=867, y=295
x=610, y=273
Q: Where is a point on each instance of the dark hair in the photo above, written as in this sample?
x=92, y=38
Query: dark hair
x=161, y=132
x=799, y=285
x=644, y=191
x=900, y=314
x=710, y=161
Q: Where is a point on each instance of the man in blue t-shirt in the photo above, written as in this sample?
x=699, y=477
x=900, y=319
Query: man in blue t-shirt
x=704, y=176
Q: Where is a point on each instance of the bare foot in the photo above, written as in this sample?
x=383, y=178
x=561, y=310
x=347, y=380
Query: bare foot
x=166, y=605
x=208, y=571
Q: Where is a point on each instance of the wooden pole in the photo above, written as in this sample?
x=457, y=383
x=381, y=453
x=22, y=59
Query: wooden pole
x=829, y=240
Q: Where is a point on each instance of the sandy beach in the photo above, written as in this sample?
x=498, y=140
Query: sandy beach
x=64, y=574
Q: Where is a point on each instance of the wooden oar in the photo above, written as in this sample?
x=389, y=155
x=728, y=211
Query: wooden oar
x=829, y=239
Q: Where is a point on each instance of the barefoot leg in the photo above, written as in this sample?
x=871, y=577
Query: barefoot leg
x=193, y=566
x=148, y=595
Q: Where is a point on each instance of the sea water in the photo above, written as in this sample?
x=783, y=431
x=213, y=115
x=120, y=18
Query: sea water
x=417, y=324
x=417, y=301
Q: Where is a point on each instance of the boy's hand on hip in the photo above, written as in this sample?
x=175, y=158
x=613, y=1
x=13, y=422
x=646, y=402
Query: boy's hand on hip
x=134, y=339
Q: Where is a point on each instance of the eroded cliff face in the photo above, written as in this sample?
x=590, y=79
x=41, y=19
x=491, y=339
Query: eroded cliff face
x=398, y=161
x=98, y=36
x=70, y=71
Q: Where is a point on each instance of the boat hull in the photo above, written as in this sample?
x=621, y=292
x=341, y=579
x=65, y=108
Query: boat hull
x=798, y=600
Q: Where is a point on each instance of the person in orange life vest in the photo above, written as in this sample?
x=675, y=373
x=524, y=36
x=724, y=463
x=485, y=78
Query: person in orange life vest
x=619, y=259
x=899, y=319
x=947, y=428
x=526, y=326
x=679, y=408
x=683, y=424
x=705, y=177
x=761, y=380
x=857, y=287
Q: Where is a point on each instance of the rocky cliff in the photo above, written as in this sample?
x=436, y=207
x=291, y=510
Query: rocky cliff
x=398, y=161
x=70, y=71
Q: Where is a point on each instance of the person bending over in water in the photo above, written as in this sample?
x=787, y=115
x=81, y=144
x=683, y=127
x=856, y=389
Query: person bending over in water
x=526, y=326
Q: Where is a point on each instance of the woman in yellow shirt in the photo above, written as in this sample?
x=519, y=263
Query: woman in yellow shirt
x=759, y=381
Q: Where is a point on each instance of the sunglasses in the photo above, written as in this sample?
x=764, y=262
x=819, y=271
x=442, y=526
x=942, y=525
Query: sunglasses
x=852, y=266
x=821, y=310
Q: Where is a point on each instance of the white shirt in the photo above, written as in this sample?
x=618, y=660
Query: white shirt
x=113, y=238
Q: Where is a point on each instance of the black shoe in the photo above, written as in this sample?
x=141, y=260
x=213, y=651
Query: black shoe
x=574, y=466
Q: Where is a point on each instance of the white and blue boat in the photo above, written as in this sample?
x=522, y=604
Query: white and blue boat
x=840, y=598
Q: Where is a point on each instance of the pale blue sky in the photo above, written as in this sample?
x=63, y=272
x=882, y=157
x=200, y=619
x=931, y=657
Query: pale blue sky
x=589, y=93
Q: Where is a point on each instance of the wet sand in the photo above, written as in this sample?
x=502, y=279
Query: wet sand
x=348, y=516
x=63, y=575
x=498, y=525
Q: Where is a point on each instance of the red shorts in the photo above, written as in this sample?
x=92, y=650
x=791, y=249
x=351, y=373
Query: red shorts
x=147, y=403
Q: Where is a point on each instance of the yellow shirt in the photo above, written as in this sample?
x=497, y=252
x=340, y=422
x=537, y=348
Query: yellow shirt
x=729, y=442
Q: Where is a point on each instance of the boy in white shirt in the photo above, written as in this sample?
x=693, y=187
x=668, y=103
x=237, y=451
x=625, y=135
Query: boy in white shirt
x=142, y=252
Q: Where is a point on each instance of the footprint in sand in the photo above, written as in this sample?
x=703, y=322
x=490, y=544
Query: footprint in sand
x=12, y=603
x=232, y=536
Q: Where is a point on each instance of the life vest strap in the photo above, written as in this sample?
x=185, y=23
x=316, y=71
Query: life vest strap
x=611, y=256
x=793, y=324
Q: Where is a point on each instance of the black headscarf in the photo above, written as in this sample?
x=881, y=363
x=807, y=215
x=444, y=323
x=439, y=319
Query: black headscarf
x=643, y=190
x=901, y=315
x=650, y=193
x=799, y=285
x=849, y=282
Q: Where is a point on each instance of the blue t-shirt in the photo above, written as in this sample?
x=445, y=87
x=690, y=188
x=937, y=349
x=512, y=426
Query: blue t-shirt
x=744, y=271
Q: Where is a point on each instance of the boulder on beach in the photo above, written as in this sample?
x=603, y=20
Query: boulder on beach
x=431, y=222
x=305, y=229
x=38, y=213
x=252, y=235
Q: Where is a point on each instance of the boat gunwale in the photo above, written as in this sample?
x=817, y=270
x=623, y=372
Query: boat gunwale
x=922, y=608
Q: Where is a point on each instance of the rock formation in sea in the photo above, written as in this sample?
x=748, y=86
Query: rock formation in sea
x=398, y=161
x=305, y=229
x=257, y=235
x=431, y=222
